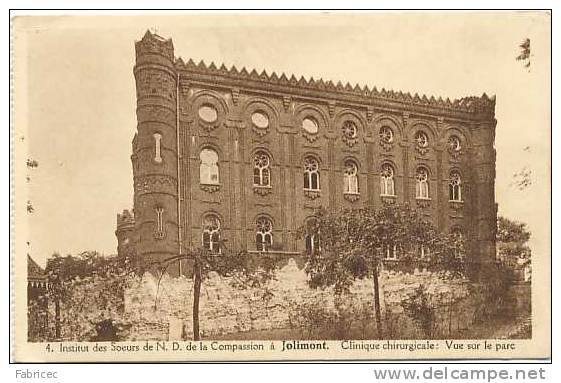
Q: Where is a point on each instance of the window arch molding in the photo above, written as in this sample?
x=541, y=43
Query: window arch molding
x=454, y=130
x=256, y=104
x=353, y=158
x=426, y=127
x=350, y=119
x=314, y=155
x=388, y=161
x=212, y=146
x=260, y=148
x=387, y=120
x=209, y=98
x=310, y=111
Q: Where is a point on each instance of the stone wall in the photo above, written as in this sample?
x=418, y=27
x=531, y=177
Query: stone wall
x=166, y=313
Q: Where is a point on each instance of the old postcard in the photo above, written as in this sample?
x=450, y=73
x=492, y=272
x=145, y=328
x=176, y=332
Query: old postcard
x=311, y=186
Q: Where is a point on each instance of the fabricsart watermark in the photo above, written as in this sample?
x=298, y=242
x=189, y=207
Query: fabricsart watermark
x=445, y=373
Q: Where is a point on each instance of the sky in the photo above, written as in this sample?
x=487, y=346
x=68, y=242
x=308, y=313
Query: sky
x=80, y=97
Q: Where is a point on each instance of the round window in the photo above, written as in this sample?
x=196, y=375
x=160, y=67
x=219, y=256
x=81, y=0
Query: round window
x=455, y=143
x=260, y=120
x=386, y=134
x=422, y=139
x=349, y=129
x=310, y=125
x=208, y=113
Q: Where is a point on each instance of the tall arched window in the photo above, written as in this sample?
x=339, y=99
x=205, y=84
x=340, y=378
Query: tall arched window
x=311, y=173
x=458, y=238
x=351, y=177
x=422, y=188
x=211, y=233
x=387, y=180
x=424, y=251
x=209, y=167
x=264, y=234
x=261, y=170
x=159, y=233
x=390, y=251
x=455, y=186
x=157, y=147
x=312, y=236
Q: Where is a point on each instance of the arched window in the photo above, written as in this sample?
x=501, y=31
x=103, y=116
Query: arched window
x=458, y=242
x=157, y=143
x=387, y=181
x=424, y=250
x=311, y=173
x=261, y=171
x=390, y=251
x=312, y=237
x=422, y=188
x=455, y=186
x=211, y=233
x=209, y=167
x=350, y=177
x=159, y=233
x=264, y=234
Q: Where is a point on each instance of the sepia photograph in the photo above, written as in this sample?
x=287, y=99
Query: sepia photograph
x=289, y=186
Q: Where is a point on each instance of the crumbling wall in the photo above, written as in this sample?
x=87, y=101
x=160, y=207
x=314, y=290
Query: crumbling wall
x=225, y=309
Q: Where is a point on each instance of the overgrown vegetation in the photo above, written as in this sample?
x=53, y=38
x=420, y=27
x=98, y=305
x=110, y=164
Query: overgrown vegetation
x=353, y=244
x=421, y=309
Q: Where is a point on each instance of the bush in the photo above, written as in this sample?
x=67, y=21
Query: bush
x=420, y=308
x=348, y=318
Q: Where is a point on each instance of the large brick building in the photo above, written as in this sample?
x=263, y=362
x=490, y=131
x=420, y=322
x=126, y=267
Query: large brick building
x=247, y=157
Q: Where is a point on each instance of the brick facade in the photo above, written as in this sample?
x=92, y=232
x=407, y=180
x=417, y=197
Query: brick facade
x=184, y=109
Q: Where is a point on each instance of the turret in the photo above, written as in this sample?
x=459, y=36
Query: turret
x=125, y=235
x=155, y=153
x=483, y=176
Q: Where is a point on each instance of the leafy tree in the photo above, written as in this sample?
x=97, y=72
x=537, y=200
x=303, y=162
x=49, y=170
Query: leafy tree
x=83, y=288
x=512, y=242
x=352, y=244
x=242, y=269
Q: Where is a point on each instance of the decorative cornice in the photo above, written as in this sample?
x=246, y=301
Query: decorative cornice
x=483, y=105
x=469, y=107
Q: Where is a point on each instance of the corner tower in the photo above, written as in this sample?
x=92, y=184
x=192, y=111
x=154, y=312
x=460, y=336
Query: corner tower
x=483, y=161
x=154, y=157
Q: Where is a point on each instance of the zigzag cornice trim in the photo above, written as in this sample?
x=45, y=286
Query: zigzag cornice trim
x=472, y=104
